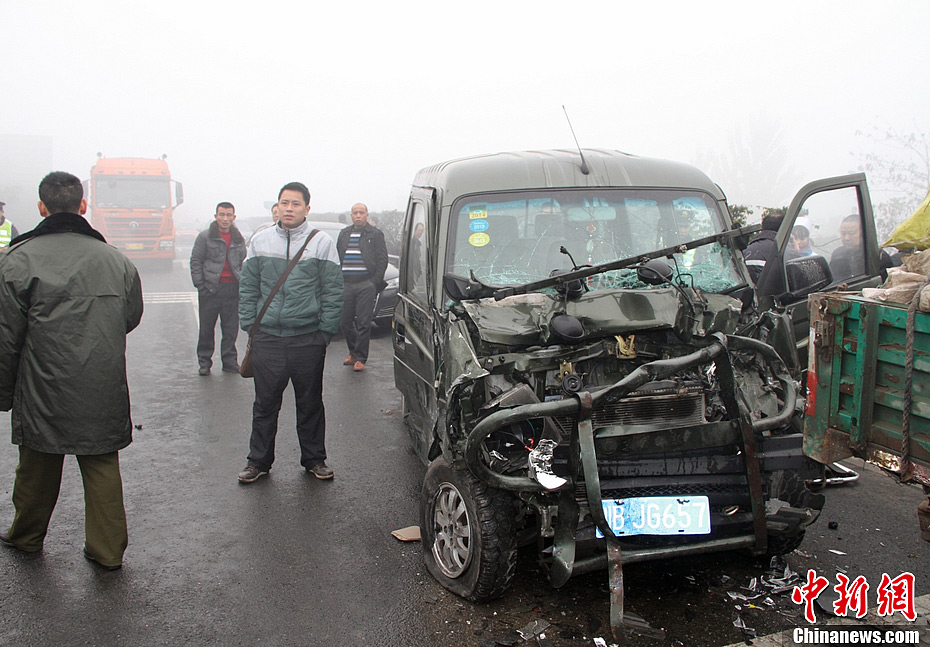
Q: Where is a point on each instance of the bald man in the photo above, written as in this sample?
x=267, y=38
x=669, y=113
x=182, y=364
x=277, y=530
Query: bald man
x=364, y=259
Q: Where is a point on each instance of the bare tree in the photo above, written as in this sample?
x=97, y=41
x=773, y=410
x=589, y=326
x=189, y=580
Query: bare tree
x=899, y=173
x=755, y=169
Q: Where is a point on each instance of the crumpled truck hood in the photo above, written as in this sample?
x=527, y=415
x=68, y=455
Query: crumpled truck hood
x=524, y=319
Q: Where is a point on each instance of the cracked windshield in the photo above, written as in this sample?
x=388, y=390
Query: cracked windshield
x=512, y=239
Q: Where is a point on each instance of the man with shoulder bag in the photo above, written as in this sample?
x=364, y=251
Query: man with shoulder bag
x=290, y=297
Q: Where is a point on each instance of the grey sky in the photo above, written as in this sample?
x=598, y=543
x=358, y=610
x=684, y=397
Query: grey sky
x=353, y=99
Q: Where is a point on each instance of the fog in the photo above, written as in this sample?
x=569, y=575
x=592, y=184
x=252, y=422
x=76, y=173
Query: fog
x=353, y=99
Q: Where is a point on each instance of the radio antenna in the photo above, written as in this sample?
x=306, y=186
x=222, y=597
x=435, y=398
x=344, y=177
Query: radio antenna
x=584, y=165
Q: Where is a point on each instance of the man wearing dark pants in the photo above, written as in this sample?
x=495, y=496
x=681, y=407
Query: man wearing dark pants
x=216, y=263
x=364, y=259
x=290, y=343
x=67, y=302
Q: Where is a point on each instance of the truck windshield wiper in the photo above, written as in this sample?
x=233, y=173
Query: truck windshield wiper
x=630, y=261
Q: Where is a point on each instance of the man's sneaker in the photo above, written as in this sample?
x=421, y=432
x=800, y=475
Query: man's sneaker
x=204, y=371
x=230, y=368
x=348, y=361
x=251, y=474
x=359, y=366
x=322, y=471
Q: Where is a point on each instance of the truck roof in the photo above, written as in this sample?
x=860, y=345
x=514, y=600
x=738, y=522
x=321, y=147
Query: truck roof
x=560, y=169
x=130, y=166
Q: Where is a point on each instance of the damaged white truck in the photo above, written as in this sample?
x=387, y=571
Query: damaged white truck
x=585, y=366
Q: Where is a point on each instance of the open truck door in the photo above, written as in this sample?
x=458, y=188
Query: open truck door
x=827, y=240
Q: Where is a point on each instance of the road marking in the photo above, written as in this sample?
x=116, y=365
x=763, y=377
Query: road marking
x=149, y=298
x=169, y=297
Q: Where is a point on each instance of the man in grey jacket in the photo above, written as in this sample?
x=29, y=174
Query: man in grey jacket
x=67, y=302
x=216, y=264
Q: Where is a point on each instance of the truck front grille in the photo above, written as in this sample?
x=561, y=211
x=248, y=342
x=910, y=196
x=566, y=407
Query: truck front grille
x=682, y=408
x=133, y=226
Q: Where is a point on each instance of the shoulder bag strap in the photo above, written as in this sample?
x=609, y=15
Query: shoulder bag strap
x=277, y=286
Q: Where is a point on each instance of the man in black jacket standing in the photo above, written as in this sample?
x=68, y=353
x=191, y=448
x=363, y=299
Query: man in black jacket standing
x=216, y=264
x=364, y=259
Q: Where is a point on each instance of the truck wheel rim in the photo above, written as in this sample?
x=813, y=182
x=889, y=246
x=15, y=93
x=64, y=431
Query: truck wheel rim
x=452, y=530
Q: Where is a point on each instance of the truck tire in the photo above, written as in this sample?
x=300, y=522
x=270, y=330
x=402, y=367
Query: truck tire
x=786, y=486
x=468, y=533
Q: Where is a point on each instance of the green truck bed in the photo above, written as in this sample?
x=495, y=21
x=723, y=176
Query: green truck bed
x=858, y=385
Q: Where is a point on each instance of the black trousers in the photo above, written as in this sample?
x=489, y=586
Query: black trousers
x=357, y=311
x=277, y=361
x=222, y=304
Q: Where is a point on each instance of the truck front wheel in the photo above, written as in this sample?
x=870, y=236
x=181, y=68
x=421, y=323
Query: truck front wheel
x=468, y=533
x=787, y=486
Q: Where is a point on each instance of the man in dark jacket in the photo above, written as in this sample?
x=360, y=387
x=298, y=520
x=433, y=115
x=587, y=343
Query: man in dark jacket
x=763, y=248
x=364, y=259
x=216, y=264
x=67, y=301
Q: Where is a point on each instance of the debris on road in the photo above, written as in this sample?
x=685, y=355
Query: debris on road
x=533, y=629
x=749, y=632
x=410, y=533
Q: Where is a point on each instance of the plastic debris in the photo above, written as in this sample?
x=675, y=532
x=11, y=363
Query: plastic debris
x=734, y=595
x=749, y=632
x=540, y=464
x=837, y=552
x=600, y=642
x=533, y=629
x=637, y=624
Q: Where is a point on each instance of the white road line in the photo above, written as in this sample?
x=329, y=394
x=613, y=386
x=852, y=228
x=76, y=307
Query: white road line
x=151, y=298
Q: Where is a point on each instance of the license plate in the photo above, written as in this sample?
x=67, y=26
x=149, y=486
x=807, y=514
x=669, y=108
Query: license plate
x=134, y=246
x=657, y=515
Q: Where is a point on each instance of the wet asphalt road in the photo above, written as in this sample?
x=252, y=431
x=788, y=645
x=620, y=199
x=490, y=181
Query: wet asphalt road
x=291, y=560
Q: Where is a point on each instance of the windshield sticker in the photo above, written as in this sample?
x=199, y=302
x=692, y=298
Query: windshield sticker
x=478, y=225
x=479, y=240
x=479, y=212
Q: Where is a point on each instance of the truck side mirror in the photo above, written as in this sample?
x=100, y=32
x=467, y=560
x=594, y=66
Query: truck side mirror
x=178, y=193
x=805, y=275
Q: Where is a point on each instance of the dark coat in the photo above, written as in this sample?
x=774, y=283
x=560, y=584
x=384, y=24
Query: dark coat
x=67, y=301
x=208, y=257
x=374, y=252
x=760, y=251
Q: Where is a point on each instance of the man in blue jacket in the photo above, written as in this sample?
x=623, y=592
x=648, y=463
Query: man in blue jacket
x=290, y=343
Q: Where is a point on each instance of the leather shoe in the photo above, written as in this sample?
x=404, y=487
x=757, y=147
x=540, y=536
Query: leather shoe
x=348, y=361
x=204, y=371
x=106, y=567
x=359, y=366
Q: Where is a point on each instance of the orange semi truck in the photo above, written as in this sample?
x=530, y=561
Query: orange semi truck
x=131, y=204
